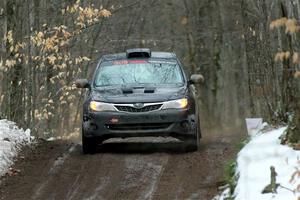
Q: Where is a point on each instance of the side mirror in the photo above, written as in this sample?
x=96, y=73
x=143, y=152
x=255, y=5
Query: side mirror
x=82, y=83
x=196, y=79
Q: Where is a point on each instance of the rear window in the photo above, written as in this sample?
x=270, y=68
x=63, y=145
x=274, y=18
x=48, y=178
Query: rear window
x=133, y=72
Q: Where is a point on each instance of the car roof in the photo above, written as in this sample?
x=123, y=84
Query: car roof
x=154, y=54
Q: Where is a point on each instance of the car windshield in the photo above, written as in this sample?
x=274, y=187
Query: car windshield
x=137, y=72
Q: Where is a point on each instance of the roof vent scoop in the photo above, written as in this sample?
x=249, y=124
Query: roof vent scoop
x=138, y=53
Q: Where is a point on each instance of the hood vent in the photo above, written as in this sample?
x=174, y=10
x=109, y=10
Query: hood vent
x=138, y=90
x=127, y=90
x=149, y=90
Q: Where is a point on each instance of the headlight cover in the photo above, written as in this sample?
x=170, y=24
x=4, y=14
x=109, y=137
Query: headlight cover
x=176, y=104
x=100, y=106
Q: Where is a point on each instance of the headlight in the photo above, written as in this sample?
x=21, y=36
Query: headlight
x=177, y=104
x=100, y=106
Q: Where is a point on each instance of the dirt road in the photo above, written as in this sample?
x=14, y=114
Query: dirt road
x=58, y=170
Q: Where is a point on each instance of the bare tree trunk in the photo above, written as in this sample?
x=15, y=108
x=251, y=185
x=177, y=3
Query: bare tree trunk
x=293, y=134
x=3, y=27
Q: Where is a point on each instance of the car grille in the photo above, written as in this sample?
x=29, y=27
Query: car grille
x=138, y=110
x=129, y=127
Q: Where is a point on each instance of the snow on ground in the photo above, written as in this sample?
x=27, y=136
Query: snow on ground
x=254, y=162
x=223, y=196
x=253, y=168
x=11, y=140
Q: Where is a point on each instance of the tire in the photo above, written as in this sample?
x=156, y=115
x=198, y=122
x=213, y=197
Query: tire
x=193, y=144
x=89, y=145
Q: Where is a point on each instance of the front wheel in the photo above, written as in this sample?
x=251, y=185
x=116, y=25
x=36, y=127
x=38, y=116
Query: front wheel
x=88, y=145
x=193, y=144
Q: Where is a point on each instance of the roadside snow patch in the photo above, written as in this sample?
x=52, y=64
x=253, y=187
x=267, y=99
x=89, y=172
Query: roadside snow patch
x=253, y=168
x=223, y=196
x=11, y=140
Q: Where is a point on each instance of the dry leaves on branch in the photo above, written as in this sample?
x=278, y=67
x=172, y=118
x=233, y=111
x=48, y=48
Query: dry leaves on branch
x=291, y=25
x=278, y=23
x=104, y=13
x=9, y=37
x=281, y=56
x=13, y=172
x=295, y=58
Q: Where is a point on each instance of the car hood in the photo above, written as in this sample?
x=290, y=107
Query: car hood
x=118, y=95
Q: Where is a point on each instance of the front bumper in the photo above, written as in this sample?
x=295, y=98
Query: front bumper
x=172, y=122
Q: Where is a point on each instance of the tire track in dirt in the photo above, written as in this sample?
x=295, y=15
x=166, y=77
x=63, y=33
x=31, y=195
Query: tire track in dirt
x=193, y=175
x=144, y=174
x=142, y=171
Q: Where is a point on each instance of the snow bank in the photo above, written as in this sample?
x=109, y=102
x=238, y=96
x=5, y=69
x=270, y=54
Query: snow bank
x=253, y=167
x=223, y=196
x=11, y=140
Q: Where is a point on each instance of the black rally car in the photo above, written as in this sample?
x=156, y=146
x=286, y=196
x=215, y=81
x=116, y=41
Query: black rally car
x=140, y=93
